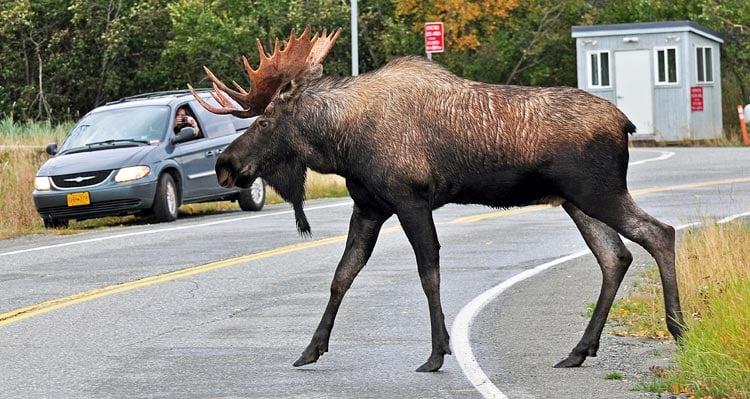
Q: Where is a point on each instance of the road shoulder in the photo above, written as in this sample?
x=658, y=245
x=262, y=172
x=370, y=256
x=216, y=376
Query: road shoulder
x=534, y=324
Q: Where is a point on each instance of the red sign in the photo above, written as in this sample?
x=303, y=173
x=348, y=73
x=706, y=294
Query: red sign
x=696, y=98
x=433, y=37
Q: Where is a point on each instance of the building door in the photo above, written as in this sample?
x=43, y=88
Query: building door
x=634, y=88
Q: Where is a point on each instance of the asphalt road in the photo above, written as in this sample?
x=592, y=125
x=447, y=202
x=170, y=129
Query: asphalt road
x=220, y=306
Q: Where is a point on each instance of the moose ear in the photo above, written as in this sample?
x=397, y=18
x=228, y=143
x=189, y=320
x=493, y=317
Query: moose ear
x=312, y=72
x=289, y=89
x=286, y=91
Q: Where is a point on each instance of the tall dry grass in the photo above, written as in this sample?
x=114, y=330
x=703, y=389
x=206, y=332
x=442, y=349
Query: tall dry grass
x=21, y=155
x=712, y=257
x=17, y=170
x=714, y=358
x=317, y=186
x=713, y=273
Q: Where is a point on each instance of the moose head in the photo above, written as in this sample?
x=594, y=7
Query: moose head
x=260, y=152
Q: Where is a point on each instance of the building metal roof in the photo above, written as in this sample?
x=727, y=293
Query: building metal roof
x=644, y=28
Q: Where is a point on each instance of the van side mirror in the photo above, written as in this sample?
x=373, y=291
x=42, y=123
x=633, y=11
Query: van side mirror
x=187, y=133
x=51, y=148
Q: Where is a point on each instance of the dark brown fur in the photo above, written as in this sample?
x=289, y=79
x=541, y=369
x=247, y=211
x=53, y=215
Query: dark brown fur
x=412, y=137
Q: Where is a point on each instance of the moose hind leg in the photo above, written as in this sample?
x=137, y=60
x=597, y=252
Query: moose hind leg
x=614, y=260
x=655, y=237
x=364, y=228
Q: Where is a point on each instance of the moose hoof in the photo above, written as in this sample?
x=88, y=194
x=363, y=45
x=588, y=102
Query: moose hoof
x=571, y=361
x=303, y=360
x=433, y=364
x=308, y=357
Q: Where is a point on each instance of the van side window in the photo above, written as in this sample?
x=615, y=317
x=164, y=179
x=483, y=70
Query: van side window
x=215, y=125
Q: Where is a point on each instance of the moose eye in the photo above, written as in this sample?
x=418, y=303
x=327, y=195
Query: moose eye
x=263, y=123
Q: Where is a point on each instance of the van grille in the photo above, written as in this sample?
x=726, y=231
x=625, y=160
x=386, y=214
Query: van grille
x=83, y=179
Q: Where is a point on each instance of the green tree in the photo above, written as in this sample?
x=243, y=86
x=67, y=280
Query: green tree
x=535, y=47
x=217, y=33
x=27, y=32
x=465, y=21
x=528, y=43
x=62, y=58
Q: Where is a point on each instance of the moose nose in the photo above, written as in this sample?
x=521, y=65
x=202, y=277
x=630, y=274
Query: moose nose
x=225, y=171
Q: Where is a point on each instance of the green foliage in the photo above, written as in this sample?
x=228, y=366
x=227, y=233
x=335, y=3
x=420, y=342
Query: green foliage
x=219, y=32
x=615, y=375
x=535, y=47
x=713, y=358
x=63, y=57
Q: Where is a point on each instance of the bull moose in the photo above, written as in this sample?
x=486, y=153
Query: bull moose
x=411, y=137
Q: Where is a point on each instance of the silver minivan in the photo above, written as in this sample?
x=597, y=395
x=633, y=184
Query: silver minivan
x=125, y=157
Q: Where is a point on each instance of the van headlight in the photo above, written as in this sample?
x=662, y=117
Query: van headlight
x=132, y=173
x=41, y=183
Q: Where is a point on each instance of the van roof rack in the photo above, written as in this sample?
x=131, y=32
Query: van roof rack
x=156, y=94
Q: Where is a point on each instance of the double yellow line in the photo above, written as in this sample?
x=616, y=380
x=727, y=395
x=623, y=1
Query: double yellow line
x=59, y=303
x=63, y=302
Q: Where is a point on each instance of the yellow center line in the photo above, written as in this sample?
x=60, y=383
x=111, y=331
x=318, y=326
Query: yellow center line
x=691, y=185
x=63, y=302
x=59, y=303
x=507, y=212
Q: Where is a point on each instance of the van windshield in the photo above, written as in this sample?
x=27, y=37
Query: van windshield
x=139, y=125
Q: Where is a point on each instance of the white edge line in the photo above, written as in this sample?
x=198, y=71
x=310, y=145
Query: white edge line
x=664, y=155
x=733, y=217
x=460, y=330
x=460, y=334
x=167, y=229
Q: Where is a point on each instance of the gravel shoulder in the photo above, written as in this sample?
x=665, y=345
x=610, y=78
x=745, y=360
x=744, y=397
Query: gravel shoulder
x=533, y=325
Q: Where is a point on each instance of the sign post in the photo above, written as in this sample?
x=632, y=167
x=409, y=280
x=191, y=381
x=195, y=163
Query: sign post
x=433, y=38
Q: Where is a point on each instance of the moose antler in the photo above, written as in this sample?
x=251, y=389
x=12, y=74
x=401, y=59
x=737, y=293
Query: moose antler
x=273, y=72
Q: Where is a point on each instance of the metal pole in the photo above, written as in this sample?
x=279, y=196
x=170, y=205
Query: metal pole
x=355, y=44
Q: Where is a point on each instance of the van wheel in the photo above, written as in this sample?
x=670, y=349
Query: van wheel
x=166, y=200
x=253, y=198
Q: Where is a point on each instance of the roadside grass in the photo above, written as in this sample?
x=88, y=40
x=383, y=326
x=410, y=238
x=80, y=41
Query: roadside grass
x=730, y=138
x=22, y=153
x=33, y=134
x=713, y=358
x=615, y=375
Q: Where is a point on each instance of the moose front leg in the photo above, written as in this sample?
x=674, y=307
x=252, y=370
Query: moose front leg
x=364, y=227
x=420, y=230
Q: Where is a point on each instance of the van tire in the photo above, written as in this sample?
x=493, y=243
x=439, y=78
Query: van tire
x=254, y=197
x=167, y=200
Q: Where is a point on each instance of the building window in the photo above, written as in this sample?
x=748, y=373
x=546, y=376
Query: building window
x=599, y=69
x=666, y=65
x=704, y=59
